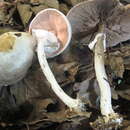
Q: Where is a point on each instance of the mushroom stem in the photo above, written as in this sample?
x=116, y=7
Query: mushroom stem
x=74, y=104
x=105, y=99
x=105, y=91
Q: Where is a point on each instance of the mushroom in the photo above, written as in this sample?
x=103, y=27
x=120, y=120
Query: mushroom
x=16, y=54
x=102, y=23
x=52, y=31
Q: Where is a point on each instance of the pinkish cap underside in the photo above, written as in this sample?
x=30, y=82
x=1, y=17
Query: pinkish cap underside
x=53, y=21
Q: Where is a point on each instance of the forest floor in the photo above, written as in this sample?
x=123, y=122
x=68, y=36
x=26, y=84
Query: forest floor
x=31, y=104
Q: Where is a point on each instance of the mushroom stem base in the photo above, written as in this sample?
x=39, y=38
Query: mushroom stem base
x=113, y=121
x=113, y=118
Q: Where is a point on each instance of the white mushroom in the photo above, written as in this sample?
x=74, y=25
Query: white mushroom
x=105, y=97
x=53, y=33
x=86, y=19
x=16, y=54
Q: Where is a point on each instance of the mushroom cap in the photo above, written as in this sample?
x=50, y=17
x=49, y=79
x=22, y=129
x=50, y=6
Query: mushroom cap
x=86, y=17
x=16, y=54
x=55, y=22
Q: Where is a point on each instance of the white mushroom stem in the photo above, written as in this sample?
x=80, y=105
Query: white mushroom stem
x=74, y=104
x=105, y=91
x=105, y=101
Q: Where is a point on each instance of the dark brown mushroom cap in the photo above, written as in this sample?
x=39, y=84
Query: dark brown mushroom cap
x=53, y=21
x=86, y=17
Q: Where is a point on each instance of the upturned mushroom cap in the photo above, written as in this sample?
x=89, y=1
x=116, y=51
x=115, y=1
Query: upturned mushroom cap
x=55, y=22
x=16, y=54
x=86, y=17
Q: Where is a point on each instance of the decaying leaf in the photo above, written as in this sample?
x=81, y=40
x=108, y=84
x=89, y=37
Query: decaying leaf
x=52, y=3
x=64, y=8
x=73, y=2
x=6, y=11
x=116, y=63
x=124, y=93
x=2, y=15
x=24, y=12
x=38, y=8
x=88, y=91
x=47, y=3
x=6, y=29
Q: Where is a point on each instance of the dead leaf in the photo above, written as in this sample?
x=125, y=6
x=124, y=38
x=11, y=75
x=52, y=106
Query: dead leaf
x=24, y=12
x=116, y=63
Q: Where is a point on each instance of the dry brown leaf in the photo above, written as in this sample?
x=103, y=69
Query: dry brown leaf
x=24, y=12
